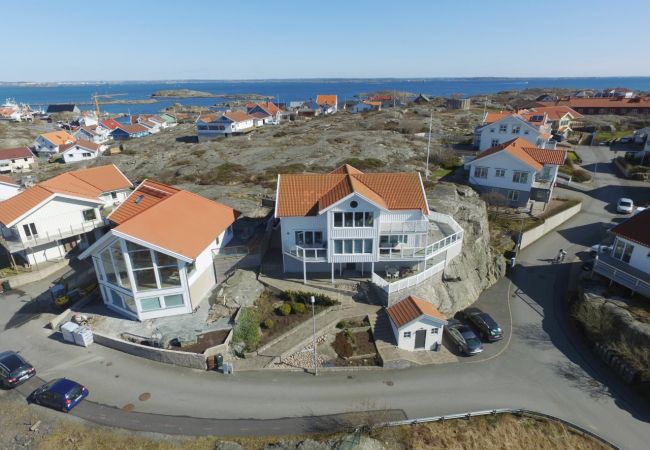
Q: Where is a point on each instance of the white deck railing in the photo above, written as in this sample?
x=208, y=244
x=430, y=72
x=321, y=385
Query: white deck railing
x=414, y=280
x=308, y=254
x=14, y=242
x=419, y=253
x=623, y=277
x=416, y=226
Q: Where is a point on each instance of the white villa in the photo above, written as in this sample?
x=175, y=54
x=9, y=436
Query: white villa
x=158, y=259
x=227, y=124
x=268, y=112
x=82, y=150
x=18, y=159
x=375, y=225
x=523, y=174
x=45, y=222
x=500, y=127
x=629, y=262
x=53, y=142
x=416, y=324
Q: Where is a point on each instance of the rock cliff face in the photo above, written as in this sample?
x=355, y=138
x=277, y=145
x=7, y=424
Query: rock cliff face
x=478, y=266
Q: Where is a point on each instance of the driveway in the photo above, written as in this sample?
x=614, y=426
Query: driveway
x=539, y=366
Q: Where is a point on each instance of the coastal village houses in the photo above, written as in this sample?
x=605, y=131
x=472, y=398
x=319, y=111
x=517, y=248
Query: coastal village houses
x=19, y=159
x=52, y=143
x=45, y=222
x=91, y=133
x=157, y=261
x=227, y=124
x=523, y=174
x=329, y=104
x=375, y=225
x=500, y=127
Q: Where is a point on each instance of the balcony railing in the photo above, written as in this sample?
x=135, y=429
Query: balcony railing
x=404, y=283
x=308, y=254
x=418, y=226
x=623, y=274
x=14, y=243
x=418, y=253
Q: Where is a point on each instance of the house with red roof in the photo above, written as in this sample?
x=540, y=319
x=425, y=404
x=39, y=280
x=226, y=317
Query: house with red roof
x=157, y=260
x=329, y=103
x=348, y=223
x=45, y=222
x=503, y=126
x=523, y=174
x=268, y=112
x=628, y=263
x=417, y=324
x=18, y=159
x=82, y=150
x=229, y=123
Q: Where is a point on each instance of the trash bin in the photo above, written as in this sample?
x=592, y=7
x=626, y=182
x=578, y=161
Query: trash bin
x=6, y=286
x=218, y=361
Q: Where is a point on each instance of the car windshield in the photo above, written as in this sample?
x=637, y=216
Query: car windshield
x=12, y=362
x=74, y=392
x=625, y=203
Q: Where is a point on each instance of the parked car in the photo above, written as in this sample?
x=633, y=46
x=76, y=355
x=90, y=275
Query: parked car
x=61, y=394
x=625, y=205
x=14, y=370
x=601, y=249
x=463, y=338
x=486, y=326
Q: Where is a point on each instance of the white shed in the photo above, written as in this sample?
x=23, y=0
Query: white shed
x=417, y=324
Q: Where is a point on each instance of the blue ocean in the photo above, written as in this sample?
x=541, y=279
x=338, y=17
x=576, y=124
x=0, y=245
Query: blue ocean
x=292, y=90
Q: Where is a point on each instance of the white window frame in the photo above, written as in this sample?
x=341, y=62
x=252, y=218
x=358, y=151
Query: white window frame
x=368, y=217
x=513, y=195
x=500, y=173
x=520, y=177
x=480, y=172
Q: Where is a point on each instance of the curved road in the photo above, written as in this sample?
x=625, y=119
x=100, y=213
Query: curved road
x=540, y=366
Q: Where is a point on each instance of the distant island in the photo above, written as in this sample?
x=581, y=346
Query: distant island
x=190, y=93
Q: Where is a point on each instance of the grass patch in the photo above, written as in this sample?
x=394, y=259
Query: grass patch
x=606, y=136
x=226, y=173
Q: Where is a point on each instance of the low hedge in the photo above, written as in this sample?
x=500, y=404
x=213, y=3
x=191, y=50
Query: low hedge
x=305, y=298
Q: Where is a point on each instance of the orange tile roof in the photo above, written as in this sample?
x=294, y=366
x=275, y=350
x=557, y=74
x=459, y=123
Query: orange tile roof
x=635, y=228
x=410, y=309
x=329, y=100
x=58, y=137
x=133, y=128
x=175, y=220
x=88, y=145
x=557, y=112
x=237, y=116
x=85, y=183
x=308, y=194
x=532, y=156
x=493, y=116
x=269, y=107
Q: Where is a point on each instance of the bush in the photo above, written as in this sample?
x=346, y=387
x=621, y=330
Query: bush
x=285, y=309
x=247, y=330
x=342, y=324
x=305, y=298
x=268, y=324
x=298, y=308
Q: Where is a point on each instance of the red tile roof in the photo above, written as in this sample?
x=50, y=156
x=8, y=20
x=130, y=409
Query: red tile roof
x=532, y=156
x=13, y=153
x=237, y=116
x=557, y=112
x=636, y=228
x=270, y=107
x=111, y=124
x=133, y=128
x=329, y=100
x=175, y=220
x=410, y=309
x=87, y=145
x=307, y=194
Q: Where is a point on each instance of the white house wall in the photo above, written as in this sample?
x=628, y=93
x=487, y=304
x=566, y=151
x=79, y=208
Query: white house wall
x=491, y=132
x=7, y=191
x=421, y=323
x=120, y=196
x=640, y=257
x=77, y=154
x=501, y=160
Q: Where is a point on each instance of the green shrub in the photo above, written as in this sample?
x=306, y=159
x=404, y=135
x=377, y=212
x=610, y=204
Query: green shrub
x=298, y=308
x=268, y=324
x=342, y=324
x=285, y=309
x=247, y=330
x=305, y=298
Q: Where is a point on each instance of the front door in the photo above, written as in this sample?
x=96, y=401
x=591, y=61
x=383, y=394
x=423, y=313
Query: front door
x=420, y=339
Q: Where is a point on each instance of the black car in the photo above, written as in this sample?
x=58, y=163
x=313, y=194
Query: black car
x=486, y=326
x=14, y=370
x=61, y=394
x=463, y=338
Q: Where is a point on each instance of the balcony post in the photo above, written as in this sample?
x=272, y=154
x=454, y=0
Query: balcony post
x=332, y=273
x=304, y=271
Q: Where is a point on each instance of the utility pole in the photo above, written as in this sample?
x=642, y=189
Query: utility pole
x=426, y=169
x=313, y=315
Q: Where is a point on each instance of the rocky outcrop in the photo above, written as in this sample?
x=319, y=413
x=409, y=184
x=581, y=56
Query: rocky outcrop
x=478, y=266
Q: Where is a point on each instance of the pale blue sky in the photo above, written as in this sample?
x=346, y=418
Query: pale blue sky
x=166, y=39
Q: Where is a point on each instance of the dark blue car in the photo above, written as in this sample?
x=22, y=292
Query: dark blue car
x=61, y=394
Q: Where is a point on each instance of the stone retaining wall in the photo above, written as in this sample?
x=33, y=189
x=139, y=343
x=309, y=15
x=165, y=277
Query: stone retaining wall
x=550, y=223
x=36, y=275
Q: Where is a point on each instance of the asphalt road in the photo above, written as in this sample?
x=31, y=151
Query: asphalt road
x=540, y=365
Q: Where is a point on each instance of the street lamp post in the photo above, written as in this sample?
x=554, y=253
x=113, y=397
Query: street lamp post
x=313, y=315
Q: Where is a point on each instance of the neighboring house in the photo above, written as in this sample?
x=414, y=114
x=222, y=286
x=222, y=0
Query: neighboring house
x=227, y=124
x=365, y=105
x=8, y=187
x=500, y=127
x=151, y=126
x=170, y=119
x=125, y=132
x=458, y=103
x=421, y=99
x=63, y=108
x=561, y=118
x=523, y=174
x=628, y=264
x=45, y=222
x=328, y=103
x=52, y=143
x=108, y=125
x=309, y=109
x=417, y=324
x=88, y=119
x=18, y=159
x=376, y=225
x=605, y=105
x=269, y=112
x=158, y=259
x=90, y=133
x=81, y=151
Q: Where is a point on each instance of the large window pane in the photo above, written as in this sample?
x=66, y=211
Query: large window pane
x=141, y=259
x=349, y=219
x=367, y=246
x=358, y=246
x=172, y=301
x=348, y=246
x=318, y=237
x=338, y=219
x=165, y=260
x=149, y=304
x=358, y=219
x=115, y=298
x=169, y=277
x=120, y=265
x=627, y=253
x=300, y=238
x=338, y=247
x=145, y=279
x=129, y=303
x=369, y=219
x=107, y=264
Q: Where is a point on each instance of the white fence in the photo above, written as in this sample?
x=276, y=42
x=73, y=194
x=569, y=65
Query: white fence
x=405, y=283
x=419, y=253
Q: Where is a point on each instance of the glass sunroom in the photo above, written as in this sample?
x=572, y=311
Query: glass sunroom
x=141, y=282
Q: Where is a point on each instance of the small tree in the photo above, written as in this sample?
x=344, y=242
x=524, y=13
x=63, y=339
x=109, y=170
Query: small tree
x=247, y=330
x=268, y=324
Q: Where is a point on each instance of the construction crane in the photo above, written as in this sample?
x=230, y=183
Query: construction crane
x=96, y=98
